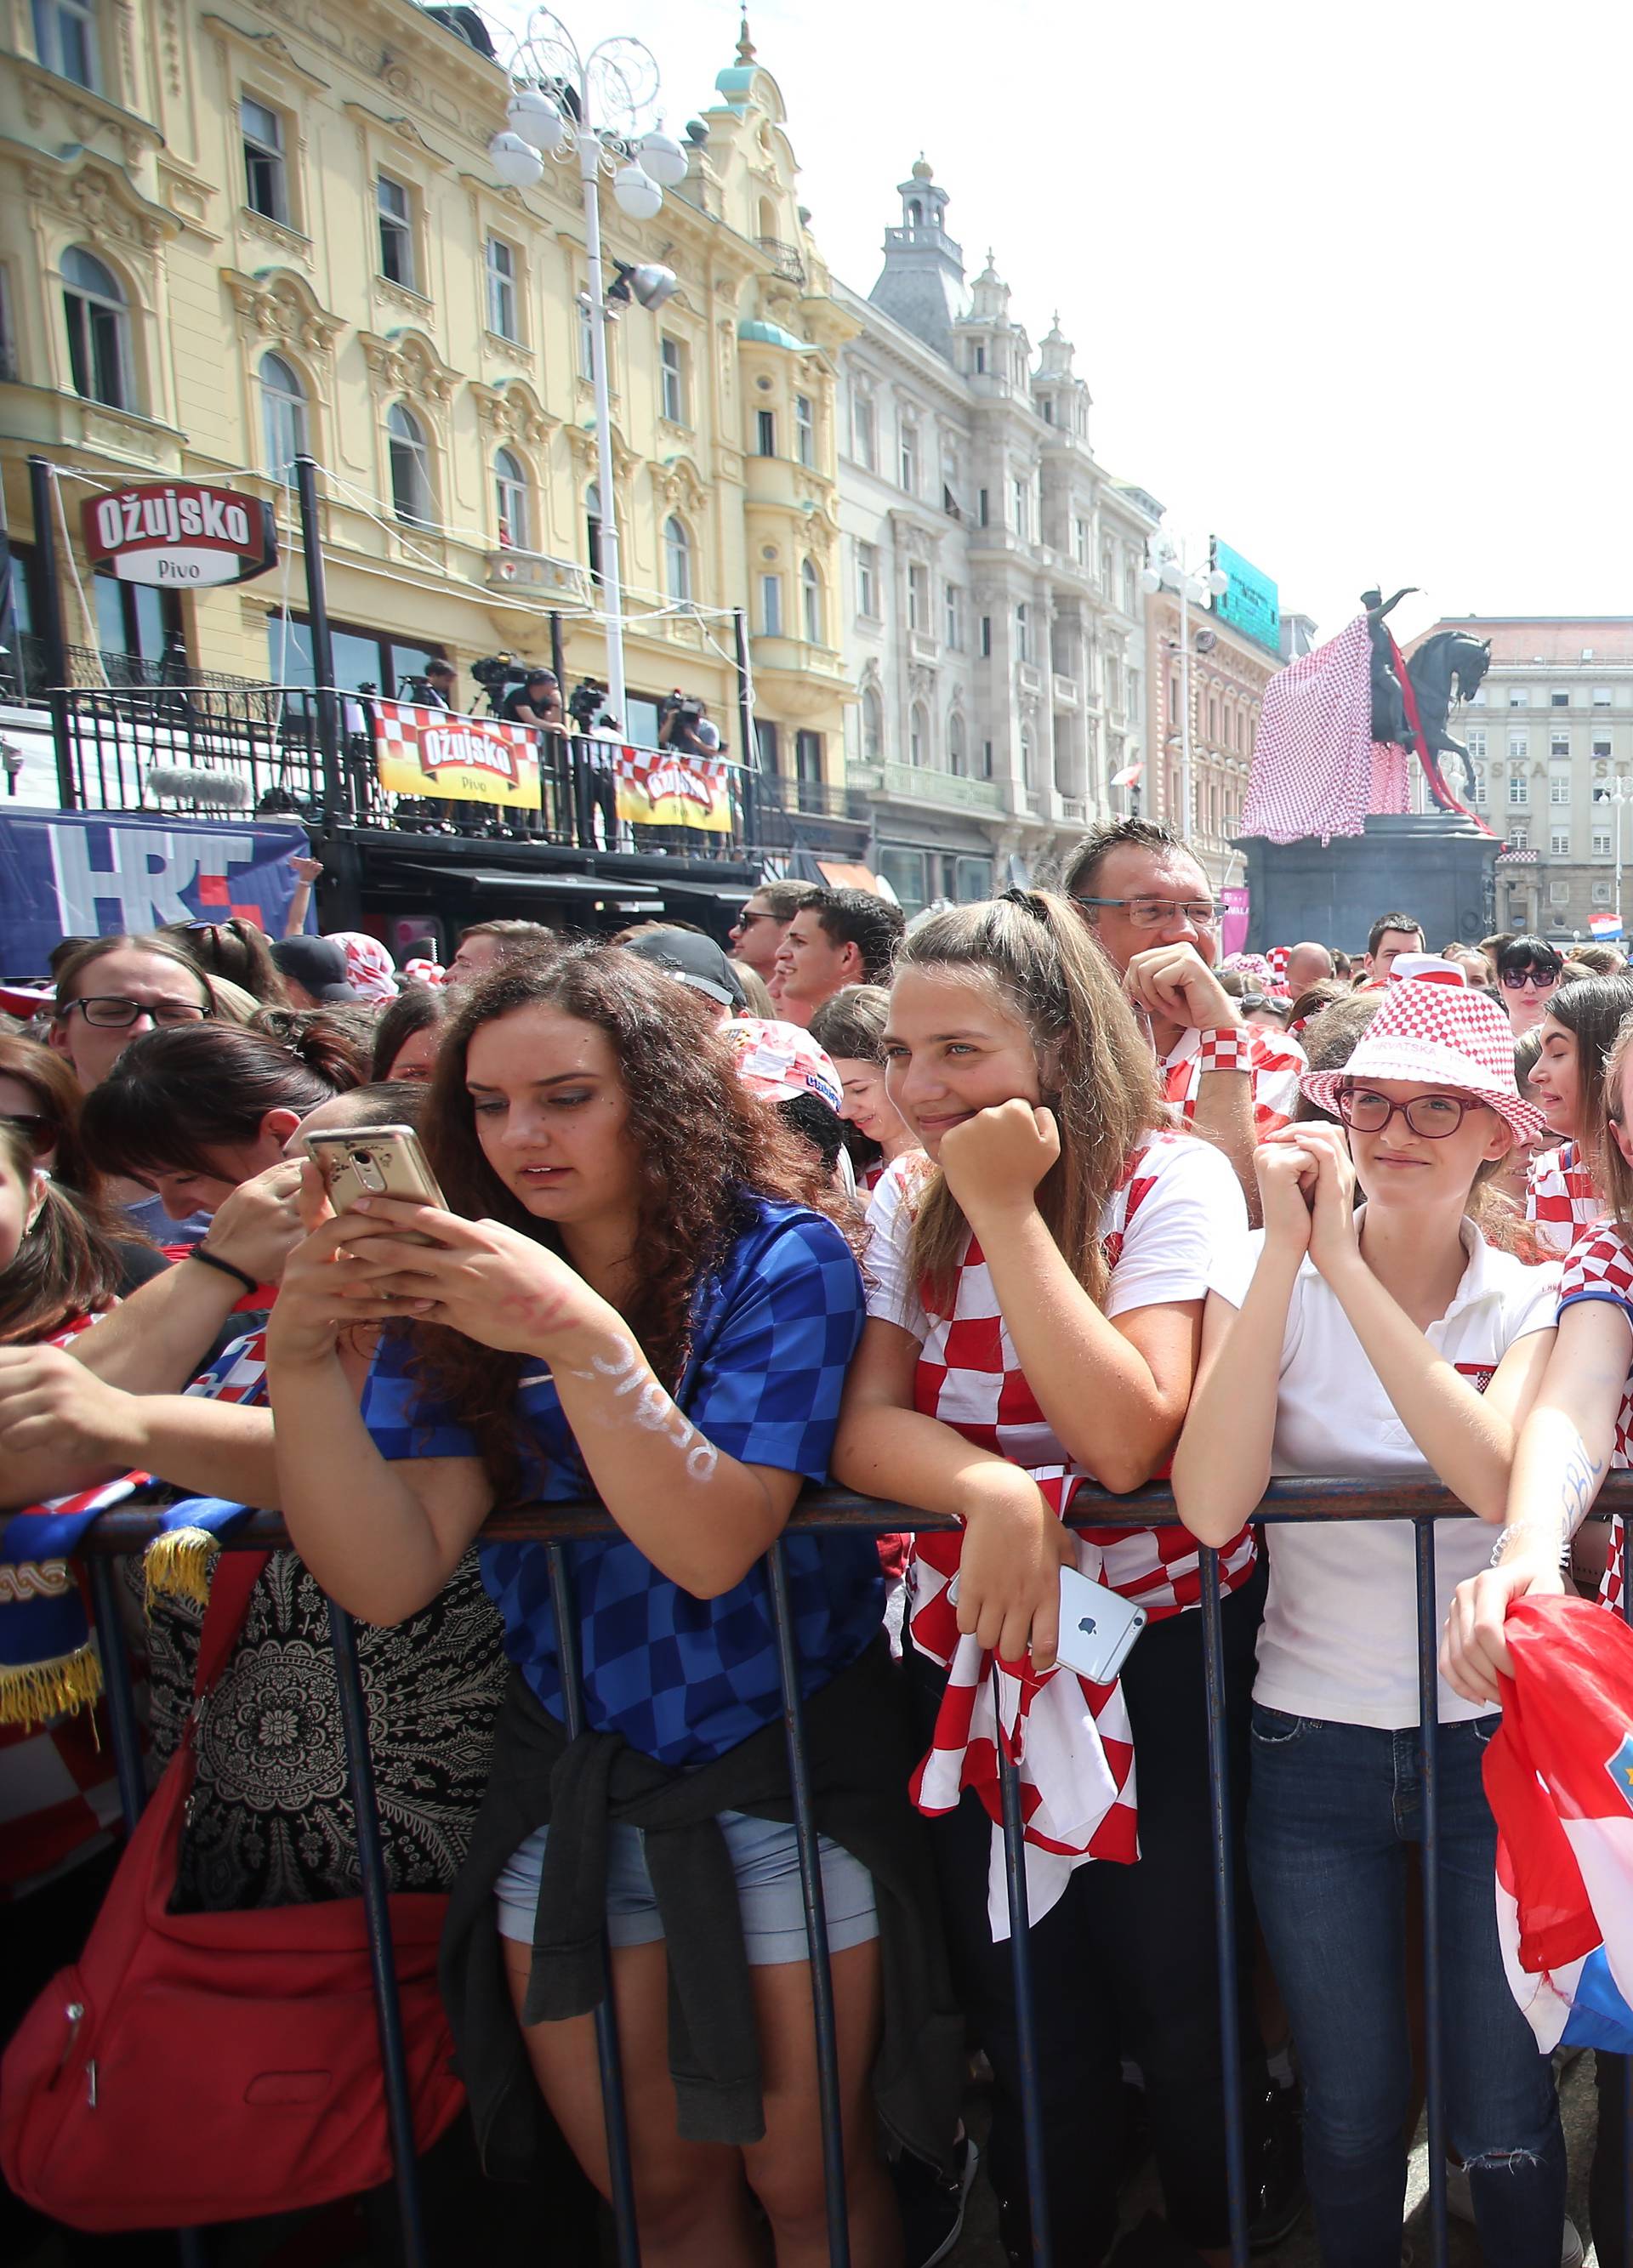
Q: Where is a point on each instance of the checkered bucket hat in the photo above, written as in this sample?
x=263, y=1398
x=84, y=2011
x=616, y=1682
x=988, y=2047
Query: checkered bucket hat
x=1431, y=1029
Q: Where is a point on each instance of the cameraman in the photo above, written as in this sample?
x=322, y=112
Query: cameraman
x=434, y=686
x=684, y=726
x=537, y=701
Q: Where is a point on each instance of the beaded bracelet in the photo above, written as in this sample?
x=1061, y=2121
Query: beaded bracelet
x=1550, y=1528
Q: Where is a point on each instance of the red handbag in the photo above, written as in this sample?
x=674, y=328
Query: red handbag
x=215, y=2067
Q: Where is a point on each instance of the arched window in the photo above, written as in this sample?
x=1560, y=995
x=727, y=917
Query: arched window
x=412, y=497
x=873, y=727
x=677, y=560
x=768, y=221
x=282, y=417
x=917, y=736
x=810, y=600
x=957, y=752
x=99, y=330
x=510, y=501
x=592, y=530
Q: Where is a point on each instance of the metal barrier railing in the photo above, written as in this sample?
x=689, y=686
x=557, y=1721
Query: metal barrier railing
x=127, y=1529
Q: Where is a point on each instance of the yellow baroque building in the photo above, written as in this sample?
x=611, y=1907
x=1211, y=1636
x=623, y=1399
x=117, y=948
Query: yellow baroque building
x=228, y=231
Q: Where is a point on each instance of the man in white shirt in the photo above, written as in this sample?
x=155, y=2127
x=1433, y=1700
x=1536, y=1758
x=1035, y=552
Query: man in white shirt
x=1153, y=914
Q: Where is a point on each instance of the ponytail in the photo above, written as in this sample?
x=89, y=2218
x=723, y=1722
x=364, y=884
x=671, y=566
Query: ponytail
x=175, y=1095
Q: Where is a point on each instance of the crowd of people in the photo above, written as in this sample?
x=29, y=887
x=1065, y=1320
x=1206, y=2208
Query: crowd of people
x=963, y=1214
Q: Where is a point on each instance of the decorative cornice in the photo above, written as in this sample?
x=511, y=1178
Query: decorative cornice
x=511, y=411
x=276, y=304
x=269, y=44
x=406, y=362
x=100, y=201
x=87, y=112
x=400, y=130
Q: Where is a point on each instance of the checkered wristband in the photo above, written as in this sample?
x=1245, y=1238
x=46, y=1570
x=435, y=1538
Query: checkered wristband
x=1226, y=1049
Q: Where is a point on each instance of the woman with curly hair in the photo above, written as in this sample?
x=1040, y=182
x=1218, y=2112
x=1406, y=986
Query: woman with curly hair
x=636, y=1292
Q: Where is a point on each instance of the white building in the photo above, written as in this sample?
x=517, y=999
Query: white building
x=991, y=617
x=1551, y=736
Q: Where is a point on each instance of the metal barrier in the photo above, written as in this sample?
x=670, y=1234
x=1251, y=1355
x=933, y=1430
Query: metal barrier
x=127, y=1529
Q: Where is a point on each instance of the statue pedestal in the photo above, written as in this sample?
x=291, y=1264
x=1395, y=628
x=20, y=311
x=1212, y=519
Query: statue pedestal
x=1437, y=867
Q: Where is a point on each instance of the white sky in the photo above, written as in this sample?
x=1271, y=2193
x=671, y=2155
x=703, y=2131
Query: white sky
x=1349, y=285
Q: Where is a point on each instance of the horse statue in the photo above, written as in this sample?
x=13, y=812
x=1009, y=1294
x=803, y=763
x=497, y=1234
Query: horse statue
x=1452, y=659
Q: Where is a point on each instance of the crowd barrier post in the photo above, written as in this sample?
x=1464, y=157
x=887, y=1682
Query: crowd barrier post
x=828, y=2105
x=123, y=1735
x=1025, y=2007
x=1224, y=1903
x=377, y=1917
x=620, y=2170
x=1429, y=1773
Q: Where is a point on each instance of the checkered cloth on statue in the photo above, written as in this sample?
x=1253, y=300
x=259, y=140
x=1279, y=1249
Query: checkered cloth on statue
x=1315, y=770
x=1177, y=1203
x=684, y=1679
x=1273, y=1064
x=1599, y=1266
x=1561, y=1197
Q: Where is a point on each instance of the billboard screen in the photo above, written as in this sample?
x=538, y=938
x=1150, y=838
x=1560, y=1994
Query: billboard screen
x=1252, y=603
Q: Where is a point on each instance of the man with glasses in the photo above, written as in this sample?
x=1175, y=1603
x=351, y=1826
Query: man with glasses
x=1529, y=972
x=760, y=928
x=1153, y=914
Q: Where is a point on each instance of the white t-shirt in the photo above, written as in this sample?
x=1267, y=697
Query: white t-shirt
x=1339, y=1640
x=1187, y=1222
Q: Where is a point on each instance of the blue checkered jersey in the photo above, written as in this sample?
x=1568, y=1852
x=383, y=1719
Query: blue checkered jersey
x=684, y=1679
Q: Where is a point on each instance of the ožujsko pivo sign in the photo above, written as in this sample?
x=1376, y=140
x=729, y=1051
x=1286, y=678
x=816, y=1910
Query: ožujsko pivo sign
x=180, y=535
x=419, y=751
x=660, y=787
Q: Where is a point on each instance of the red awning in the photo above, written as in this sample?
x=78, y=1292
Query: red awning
x=847, y=877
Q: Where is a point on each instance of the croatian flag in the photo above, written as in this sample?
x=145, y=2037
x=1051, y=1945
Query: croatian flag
x=1605, y=925
x=1559, y=1778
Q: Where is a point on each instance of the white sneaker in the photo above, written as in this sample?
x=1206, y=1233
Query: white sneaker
x=1571, y=2253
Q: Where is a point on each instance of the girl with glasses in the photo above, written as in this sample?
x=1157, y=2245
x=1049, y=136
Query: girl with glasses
x=1373, y=1331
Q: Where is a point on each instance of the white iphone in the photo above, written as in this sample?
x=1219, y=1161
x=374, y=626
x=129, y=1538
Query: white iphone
x=1097, y=1627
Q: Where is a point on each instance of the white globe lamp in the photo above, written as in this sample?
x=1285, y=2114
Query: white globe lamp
x=517, y=163
x=662, y=158
x=638, y=193
x=534, y=117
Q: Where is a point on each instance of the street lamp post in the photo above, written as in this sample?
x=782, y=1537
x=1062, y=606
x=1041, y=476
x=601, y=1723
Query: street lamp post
x=562, y=102
x=1621, y=793
x=1167, y=572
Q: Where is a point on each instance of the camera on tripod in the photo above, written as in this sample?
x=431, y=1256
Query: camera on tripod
x=587, y=703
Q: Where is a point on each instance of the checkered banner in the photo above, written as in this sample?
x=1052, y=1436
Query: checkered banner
x=658, y=787
x=467, y=759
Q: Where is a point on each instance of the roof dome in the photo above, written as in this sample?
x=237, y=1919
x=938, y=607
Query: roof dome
x=922, y=169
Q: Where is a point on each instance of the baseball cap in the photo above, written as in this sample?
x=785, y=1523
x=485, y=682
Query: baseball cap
x=778, y=1061
x=317, y=963
x=695, y=959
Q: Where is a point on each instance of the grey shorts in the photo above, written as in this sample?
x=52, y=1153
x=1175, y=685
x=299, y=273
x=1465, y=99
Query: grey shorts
x=767, y=1858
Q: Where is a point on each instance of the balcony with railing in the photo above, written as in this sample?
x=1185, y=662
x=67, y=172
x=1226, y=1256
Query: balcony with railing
x=785, y=259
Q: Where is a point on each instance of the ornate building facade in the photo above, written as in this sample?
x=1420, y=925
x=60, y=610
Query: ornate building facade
x=992, y=619
x=1229, y=674
x=227, y=233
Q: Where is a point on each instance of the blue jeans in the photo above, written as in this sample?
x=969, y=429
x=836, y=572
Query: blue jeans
x=1331, y=1812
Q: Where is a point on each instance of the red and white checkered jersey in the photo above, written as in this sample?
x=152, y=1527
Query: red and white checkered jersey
x=1276, y=1062
x=1177, y=1203
x=1561, y=1197
x=1599, y=1266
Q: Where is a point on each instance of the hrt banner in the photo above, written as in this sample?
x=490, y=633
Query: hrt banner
x=420, y=751
x=70, y=874
x=658, y=787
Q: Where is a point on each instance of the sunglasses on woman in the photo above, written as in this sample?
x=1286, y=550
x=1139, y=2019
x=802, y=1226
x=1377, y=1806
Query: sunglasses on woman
x=41, y=1133
x=1540, y=980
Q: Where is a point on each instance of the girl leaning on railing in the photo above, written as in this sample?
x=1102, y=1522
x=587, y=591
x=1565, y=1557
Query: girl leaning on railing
x=1373, y=1331
x=1037, y=1288
x=636, y=1294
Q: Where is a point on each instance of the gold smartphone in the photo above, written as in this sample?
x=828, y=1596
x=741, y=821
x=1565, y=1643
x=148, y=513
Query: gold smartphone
x=373, y=1161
